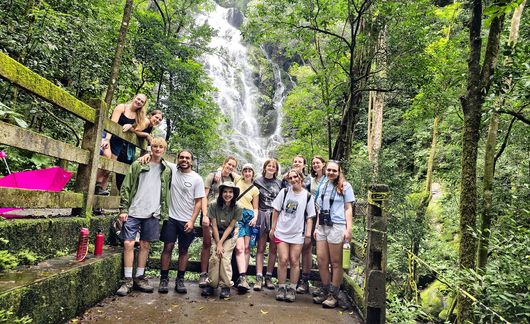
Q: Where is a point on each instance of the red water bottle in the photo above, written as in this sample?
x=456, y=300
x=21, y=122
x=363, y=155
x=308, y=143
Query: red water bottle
x=82, y=245
x=98, y=246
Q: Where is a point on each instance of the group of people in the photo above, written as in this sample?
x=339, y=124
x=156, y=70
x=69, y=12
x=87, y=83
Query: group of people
x=289, y=212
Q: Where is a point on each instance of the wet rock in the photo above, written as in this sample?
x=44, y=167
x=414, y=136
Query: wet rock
x=235, y=17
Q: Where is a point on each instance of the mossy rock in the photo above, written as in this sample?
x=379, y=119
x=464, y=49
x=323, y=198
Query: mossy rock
x=433, y=298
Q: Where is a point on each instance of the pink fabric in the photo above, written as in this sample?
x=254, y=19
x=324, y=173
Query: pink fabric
x=52, y=179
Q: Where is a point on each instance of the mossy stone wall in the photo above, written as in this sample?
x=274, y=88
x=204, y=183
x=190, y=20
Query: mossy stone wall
x=46, y=237
x=65, y=294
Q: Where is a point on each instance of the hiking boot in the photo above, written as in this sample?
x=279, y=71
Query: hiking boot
x=316, y=291
x=207, y=291
x=268, y=282
x=98, y=190
x=243, y=286
x=163, y=286
x=259, y=283
x=321, y=297
x=280, y=295
x=142, y=284
x=126, y=287
x=203, y=280
x=290, y=296
x=180, y=287
x=330, y=302
x=225, y=293
x=303, y=287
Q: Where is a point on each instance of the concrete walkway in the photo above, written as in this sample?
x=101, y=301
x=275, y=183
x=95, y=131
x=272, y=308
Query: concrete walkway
x=253, y=307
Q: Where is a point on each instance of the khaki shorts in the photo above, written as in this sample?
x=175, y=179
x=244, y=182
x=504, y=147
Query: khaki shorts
x=333, y=234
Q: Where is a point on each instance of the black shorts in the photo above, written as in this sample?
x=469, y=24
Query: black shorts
x=172, y=230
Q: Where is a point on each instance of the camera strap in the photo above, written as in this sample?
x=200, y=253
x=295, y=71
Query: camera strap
x=331, y=196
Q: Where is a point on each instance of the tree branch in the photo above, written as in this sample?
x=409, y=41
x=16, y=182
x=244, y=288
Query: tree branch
x=516, y=115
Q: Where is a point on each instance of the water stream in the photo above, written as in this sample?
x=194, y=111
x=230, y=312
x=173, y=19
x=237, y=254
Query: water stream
x=229, y=67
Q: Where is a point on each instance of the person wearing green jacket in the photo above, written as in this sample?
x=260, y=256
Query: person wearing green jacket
x=144, y=196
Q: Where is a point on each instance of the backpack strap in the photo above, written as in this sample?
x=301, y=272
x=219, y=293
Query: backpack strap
x=244, y=192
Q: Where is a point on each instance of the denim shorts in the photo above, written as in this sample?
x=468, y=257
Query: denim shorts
x=149, y=229
x=172, y=230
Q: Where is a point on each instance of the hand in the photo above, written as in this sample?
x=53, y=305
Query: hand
x=217, y=177
x=347, y=235
x=144, y=159
x=205, y=221
x=104, y=143
x=253, y=221
x=123, y=217
x=188, y=227
x=315, y=233
x=220, y=250
x=271, y=234
x=126, y=127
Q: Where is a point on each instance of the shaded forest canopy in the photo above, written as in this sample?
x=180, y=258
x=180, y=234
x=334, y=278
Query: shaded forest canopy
x=392, y=88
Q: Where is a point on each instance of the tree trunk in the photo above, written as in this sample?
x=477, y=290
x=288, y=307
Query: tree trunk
x=116, y=62
x=376, y=105
x=489, y=156
x=478, y=81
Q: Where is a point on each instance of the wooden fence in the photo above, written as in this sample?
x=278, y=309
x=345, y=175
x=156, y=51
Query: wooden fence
x=93, y=114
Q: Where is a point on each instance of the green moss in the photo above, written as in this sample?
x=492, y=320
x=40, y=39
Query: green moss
x=63, y=295
x=433, y=298
x=47, y=237
x=27, y=79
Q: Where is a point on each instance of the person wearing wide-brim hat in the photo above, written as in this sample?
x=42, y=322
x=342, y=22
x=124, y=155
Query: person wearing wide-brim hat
x=223, y=214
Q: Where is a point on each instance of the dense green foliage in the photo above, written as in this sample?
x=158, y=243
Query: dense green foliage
x=73, y=43
x=426, y=54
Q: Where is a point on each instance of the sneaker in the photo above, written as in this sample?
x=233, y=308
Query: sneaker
x=163, y=286
x=316, y=291
x=225, y=293
x=243, y=286
x=207, y=291
x=280, y=295
x=126, y=287
x=290, y=295
x=259, y=282
x=180, y=287
x=330, y=302
x=203, y=280
x=268, y=283
x=303, y=287
x=321, y=297
x=142, y=284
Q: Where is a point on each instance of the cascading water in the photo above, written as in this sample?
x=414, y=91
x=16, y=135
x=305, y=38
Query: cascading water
x=228, y=66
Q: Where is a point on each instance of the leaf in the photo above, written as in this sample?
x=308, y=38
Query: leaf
x=263, y=312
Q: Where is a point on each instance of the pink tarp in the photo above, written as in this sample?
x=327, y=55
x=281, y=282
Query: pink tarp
x=52, y=179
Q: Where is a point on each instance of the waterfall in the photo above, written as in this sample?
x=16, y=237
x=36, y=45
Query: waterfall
x=228, y=66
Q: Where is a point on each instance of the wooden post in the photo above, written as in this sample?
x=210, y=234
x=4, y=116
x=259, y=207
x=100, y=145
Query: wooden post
x=86, y=174
x=376, y=255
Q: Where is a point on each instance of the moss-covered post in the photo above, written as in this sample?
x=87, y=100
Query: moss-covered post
x=86, y=174
x=376, y=255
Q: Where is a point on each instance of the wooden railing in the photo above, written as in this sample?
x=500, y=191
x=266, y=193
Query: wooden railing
x=93, y=115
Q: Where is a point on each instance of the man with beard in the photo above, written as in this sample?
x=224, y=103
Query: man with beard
x=186, y=193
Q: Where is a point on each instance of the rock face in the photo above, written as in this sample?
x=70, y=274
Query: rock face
x=235, y=17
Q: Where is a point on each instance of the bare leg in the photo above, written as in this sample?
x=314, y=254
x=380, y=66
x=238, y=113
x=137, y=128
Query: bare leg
x=283, y=258
x=323, y=262
x=294, y=261
x=165, y=258
x=143, y=254
x=262, y=243
x=206, y=244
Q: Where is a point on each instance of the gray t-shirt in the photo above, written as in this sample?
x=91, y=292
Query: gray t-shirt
x=185, y=188
x=146, y=201
x=290, y=223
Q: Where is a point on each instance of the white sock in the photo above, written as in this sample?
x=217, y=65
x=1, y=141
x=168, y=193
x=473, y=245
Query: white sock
x=140, y=272
x=127, y=272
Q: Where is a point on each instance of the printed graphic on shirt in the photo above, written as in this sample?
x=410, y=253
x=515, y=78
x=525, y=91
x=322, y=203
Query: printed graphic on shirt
x=290, y=208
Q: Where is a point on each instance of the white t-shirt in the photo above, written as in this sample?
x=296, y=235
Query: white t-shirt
x=290, y=224
x=146, y=201
x=185, y=188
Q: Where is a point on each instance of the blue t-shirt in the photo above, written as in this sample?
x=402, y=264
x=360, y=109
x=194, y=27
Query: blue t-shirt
x=337, y=208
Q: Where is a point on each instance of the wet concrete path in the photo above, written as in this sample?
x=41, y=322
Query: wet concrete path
x=253, y=307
